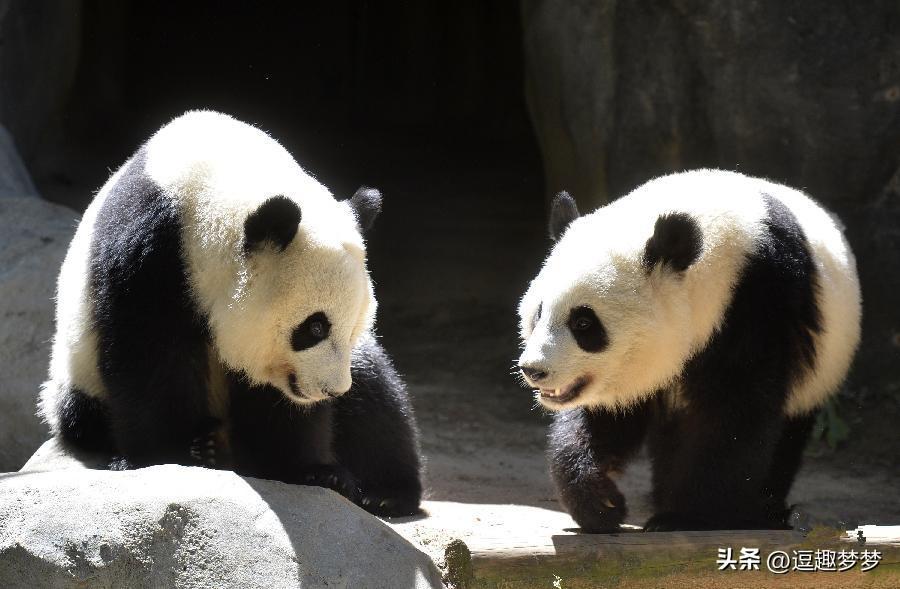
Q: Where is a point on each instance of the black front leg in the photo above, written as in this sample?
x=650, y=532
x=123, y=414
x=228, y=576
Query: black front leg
x=376, y=435
x=273, y=438
x=587, y=449
x=158, y=412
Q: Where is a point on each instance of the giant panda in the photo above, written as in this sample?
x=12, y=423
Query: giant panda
x=708, y=313
x=214, y=308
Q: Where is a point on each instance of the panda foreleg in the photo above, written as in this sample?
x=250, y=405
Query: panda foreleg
x=157, y=397
x=149, y=428
x=376, y=436
x=271, y=438
x=587, y=447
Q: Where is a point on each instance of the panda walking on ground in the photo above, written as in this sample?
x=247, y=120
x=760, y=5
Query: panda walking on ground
x=709, y=313
x=215, y=308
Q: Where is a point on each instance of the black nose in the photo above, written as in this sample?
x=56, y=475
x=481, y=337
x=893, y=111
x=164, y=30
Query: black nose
x=533, y=374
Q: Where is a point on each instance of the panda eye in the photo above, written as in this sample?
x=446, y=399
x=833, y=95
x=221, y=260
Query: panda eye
x=587, y=329
x=582, y=323
x=314, y=329
x=537, y=315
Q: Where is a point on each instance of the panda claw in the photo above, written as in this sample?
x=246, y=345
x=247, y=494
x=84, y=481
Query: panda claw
x=203, y=450
x=609, y=503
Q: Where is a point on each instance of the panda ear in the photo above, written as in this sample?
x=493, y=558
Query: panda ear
x=563, y=211
x=676, y=242
x=366, y=205
x=274, y=222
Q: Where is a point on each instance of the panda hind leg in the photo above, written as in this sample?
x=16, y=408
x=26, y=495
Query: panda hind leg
x=710, y=467
x=375, y=435
x=787, y=459
x=84, y=423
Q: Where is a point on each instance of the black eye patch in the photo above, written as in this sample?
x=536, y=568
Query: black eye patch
x=314, y=329
x=537, y=315
x=588, y=331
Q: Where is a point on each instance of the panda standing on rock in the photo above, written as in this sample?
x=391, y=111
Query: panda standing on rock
x=214, y=308
x=709, y=313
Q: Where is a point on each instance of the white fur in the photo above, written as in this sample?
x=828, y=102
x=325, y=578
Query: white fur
x=656, y=323
x=217, y=171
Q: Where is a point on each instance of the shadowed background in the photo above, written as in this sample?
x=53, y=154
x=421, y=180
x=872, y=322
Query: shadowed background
x=467, y=115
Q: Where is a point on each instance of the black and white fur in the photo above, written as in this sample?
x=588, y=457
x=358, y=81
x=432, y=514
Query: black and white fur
x=215, y=308
x=708, y=313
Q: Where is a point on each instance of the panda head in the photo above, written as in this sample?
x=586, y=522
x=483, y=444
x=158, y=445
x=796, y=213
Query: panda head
x=607, y=320
x=300, y=297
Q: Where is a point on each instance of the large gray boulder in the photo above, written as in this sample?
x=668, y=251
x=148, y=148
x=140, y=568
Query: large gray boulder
x=34, y=235
x=62, y=525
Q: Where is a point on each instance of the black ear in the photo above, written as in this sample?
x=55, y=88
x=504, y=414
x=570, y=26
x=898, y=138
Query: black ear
x=275, y=222
x=677, y=242
x=366, y=204
x=563, y=211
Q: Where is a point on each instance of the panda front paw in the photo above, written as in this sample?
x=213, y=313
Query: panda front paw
x=120, y=463
x=673, y=522
x=384, y=505
x=334, y=477
x=596, y=505
x=204, y=450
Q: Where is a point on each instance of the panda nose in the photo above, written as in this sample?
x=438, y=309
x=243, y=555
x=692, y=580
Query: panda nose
x=533, y=373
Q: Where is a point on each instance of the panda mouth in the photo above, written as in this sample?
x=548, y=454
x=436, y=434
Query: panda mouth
x=292, y=382
x=565, y=394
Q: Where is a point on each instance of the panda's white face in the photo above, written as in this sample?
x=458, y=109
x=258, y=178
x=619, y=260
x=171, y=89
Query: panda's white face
x=299, y=317
x=600, y=328
x=604, y=339
x=291, y=318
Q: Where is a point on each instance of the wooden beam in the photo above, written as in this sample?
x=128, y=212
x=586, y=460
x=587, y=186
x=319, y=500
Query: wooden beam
x=510, y=546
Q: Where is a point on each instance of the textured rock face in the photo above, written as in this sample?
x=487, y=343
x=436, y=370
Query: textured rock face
x=620, y=92
x=15, y=181
x=34, y=236
x=175, y=526
x=39, y=48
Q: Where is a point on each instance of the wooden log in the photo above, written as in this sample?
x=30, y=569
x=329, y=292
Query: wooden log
x=508, y=546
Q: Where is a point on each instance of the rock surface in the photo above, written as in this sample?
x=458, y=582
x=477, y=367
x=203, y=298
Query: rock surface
x=34, y=236
x=175, y=526
x=15, y=181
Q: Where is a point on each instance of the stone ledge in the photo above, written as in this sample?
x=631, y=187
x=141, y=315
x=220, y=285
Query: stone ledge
x=171, y=525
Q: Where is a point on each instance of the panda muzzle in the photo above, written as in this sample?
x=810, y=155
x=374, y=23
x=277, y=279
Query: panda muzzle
x=565, y=394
